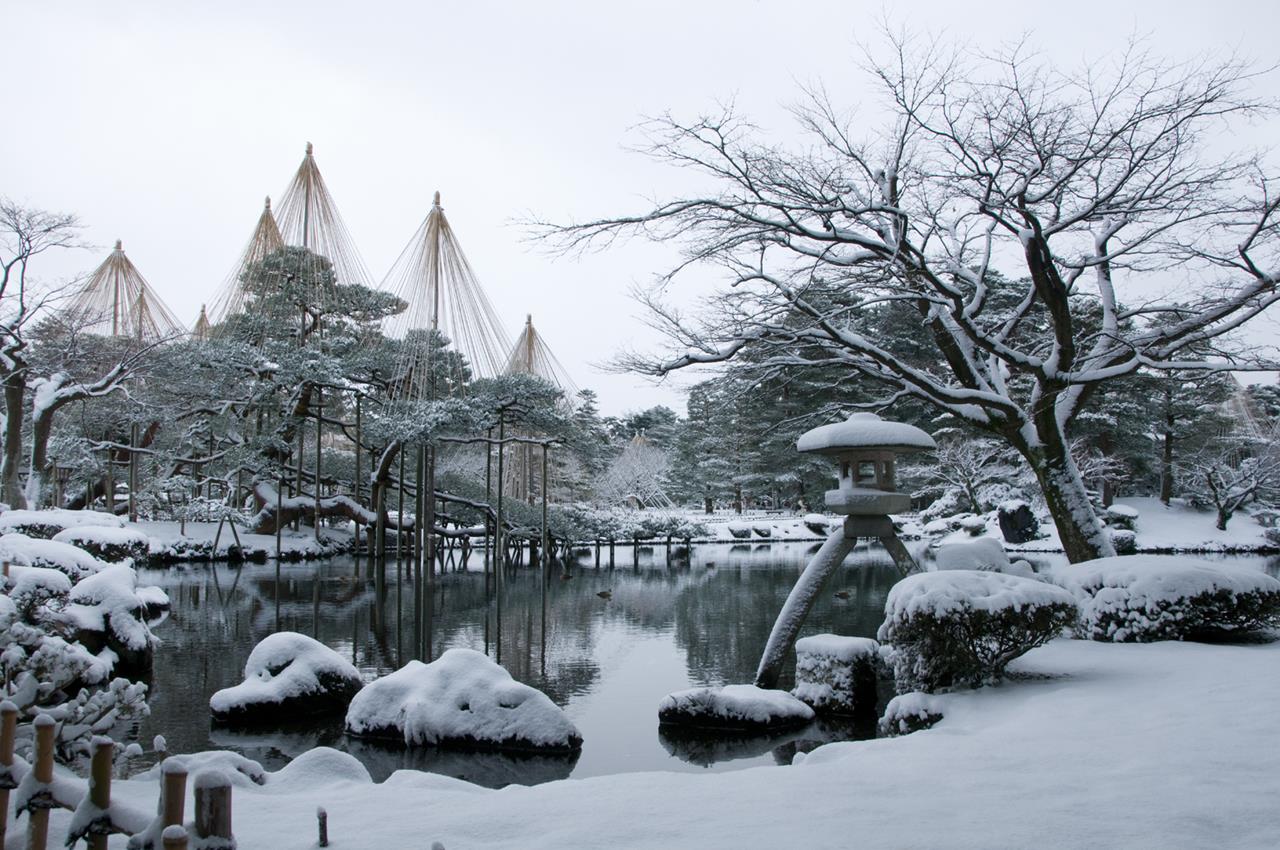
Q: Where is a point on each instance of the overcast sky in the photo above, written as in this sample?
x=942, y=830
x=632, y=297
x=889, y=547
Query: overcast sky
x=165, y=123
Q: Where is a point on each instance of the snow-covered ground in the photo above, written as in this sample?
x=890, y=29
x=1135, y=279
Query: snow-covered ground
x=1164, y=745
x=169, y=542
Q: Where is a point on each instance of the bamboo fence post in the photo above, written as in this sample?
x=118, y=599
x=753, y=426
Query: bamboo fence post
x=173, y=792
x=8, y=730
x=322, y=824
x=38, y=818
x=174, y=837
x=100, y=785
x=213, y=811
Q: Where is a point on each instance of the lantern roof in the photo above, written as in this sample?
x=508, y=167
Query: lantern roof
x=865, y=431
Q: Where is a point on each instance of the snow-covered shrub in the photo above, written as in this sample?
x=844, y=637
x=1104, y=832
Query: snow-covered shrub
x=951, y=502
x=1159, y=597
x=45, y=524
x=1122, y=516
x=837, y=674
x=71, y=561
x=462, y=699
x=961, y=628
x=1272, y=536
x=740, y=707
x=108, y=544
x=288, y=675
x=110, y=611
x=739, y=530
x=974, y=525
x=985, y=553
x=912, y=712
x=1124, y=541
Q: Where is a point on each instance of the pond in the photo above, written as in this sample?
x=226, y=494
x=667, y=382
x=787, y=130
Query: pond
x=616, y=641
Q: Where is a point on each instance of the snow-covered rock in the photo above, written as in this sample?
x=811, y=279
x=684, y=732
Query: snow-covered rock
x=108, y=543
x=762, y=529
x=288, y=675
x=837, y=674
x=1159, y=597
x=741, y=707
x=817, y=523
x=985, y=553
x=911, y=712
x=72, y=561
x=739, y=530
x=962, y=627
x=462, y=699
x=45, y=524
x=110, y=610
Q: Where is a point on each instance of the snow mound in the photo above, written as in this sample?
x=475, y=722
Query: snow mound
x=107, y=543
x=952, y=591
x=739, y=530
x=243, y=772
x=838, y=647
x=1160, y=597
x=111, y=602
x=733, y=707
x=319, y=768
x=46, y=524
x=912, y=712
x=462, y=699
x=288, y=674
x=73, y=562
x=29, y=586
x=985, y=553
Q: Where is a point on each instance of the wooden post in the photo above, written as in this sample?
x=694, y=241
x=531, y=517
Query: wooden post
x=544, y=545
x=100, y=785
x=279, y=506
x=8, y=730
x=173, y=792
x=359, y=451
x=38, y=818
x=133, y=472
x=213, y=811
x=322, y=823
x=319, y=434
x=429, y=532
x=110, y=495
x=174, y=837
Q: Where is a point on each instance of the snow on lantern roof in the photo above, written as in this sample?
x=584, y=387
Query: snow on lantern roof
x=865, y=431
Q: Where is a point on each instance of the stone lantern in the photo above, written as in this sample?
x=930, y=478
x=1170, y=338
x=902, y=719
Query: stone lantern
x=866, y=448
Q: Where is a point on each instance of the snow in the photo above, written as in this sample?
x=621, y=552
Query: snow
x=170, y=544
x=835, y=673
x=67, y=559
x=838, y=647
x=89, y=536
x=984, y=553
x=27, y=585
x=287, y=666
x=1090, y=745
x=733, y=706
x=865, y=430
x=906, y=711
x=461, y=698
x=53, y=521
x=1149, y=597
x=1121, y=510
x=113, y=599
x=950, y=591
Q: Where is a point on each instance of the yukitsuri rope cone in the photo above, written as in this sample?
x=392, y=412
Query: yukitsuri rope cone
x=532, y=356
x=232, y=295
x=116, y=300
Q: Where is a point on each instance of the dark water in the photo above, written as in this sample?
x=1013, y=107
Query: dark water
x=608, y=662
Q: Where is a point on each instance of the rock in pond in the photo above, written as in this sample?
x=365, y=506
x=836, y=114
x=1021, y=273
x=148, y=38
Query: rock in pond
x=461, y=700
x=733, y=707
x=288, y=675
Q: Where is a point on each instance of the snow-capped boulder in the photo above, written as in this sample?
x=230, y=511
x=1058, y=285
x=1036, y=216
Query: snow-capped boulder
x=1161, y=597
x=1124, y=541
x=1017, y=522
x=739, y=530
x=72, y=561
x=974, y=526
x=45, y=524
x=817, y=523
x=762, y=530
x=837, y=674
x=109, y=544
x=288, y=675
x=462, y=699
x=736, y=707
x=1122, y=516
x=960, y=628
x=907, y=713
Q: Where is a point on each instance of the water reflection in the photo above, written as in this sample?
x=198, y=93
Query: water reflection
x=666, y=624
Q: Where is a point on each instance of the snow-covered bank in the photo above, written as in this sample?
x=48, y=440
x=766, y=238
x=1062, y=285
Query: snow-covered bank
x=169, y=543
x=1105, y=745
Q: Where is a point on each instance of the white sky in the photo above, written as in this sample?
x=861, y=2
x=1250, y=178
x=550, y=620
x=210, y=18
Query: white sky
x=165, y=123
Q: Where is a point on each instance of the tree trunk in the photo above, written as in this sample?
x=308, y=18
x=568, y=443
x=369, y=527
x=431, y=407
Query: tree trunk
x=15, y=390
x=41, y=428
x=1224, y=516
x=1083, y=536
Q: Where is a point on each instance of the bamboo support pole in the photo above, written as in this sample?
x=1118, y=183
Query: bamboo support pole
x=173, y=792
x=279, y=506
x=319, y=435
x=100, y=785
x=38, y=819
x=133, y=472
x=429, y=532
x=213, y=811
x=8, y=731
x=359, y=452
x=174, y=837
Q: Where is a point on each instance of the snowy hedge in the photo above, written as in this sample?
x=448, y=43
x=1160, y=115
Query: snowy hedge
x=837, y=674
x=287, y=675
x=45, y=524
x=913, y=712
x=1160, y=597
x=961, y=628
x=71, y=561
x=109, y=544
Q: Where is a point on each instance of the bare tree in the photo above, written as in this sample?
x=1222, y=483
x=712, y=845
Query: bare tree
x=25, y=233
x=1233, y=471
x=1080, y=183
